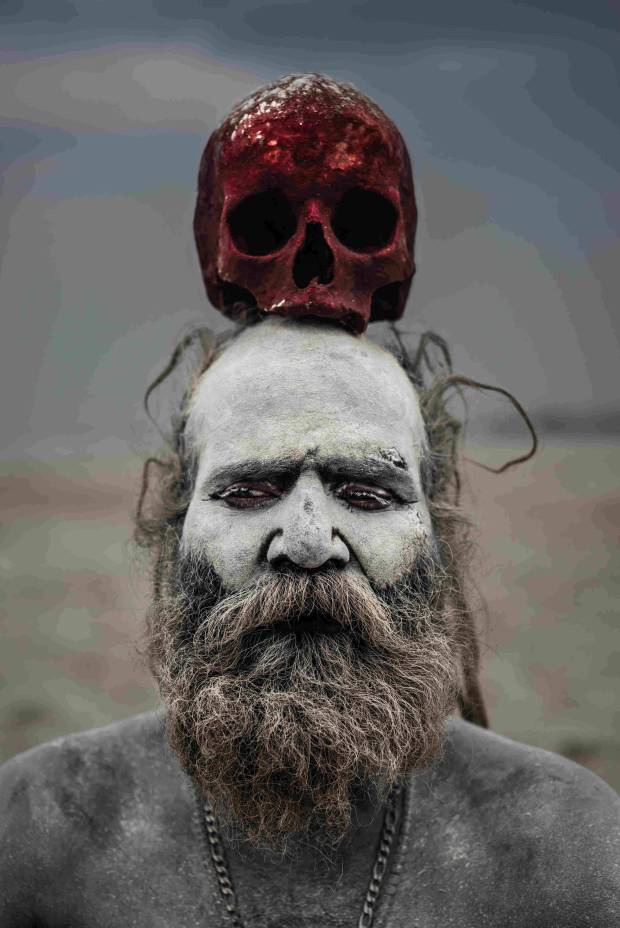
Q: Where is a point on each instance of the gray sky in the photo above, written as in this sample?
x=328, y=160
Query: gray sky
x=510, y=114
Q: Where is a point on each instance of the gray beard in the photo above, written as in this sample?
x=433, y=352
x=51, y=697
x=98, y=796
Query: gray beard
x=287, y=697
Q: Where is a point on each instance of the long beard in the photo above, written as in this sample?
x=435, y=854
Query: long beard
x=286, y=697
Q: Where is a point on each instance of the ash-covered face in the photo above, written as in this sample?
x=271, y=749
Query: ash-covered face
x=305, y=646
x=308, y=445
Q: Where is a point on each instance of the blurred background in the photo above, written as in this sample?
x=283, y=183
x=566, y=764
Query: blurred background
x=509, y=110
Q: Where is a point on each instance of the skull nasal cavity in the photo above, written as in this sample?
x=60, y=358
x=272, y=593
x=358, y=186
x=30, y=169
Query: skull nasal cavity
x=314, y=260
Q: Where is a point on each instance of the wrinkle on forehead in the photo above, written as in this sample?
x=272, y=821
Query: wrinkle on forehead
x=282, y=382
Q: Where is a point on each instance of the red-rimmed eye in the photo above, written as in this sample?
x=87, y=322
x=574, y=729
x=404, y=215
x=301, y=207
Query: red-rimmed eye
x=249, y=495
x=362, y=496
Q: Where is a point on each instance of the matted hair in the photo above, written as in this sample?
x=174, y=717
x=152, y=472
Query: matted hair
x=168, y=480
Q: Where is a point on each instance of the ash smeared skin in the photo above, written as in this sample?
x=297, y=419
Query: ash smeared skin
x=309, y=398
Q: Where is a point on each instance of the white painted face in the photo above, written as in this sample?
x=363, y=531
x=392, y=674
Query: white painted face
x=308, y=444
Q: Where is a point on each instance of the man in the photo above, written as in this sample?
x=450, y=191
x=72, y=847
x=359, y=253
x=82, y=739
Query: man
x=310, y=640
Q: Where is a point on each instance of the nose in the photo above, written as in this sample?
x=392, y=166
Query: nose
x=306, y=535
x=314, y=260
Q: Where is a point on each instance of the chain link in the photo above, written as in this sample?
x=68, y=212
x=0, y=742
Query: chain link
x=379, y=869
x=381, y=861
x=221, y=867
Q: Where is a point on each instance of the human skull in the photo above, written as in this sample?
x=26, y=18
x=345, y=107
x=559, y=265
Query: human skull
x=306, y=206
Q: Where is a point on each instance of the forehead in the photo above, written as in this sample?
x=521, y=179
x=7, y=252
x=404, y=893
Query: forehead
x=285, y=389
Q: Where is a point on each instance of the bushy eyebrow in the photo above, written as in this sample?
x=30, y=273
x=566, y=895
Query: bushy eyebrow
x=287, y=469
x=368, y=469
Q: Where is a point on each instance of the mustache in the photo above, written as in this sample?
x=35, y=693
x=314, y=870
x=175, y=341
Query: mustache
x=228, y=628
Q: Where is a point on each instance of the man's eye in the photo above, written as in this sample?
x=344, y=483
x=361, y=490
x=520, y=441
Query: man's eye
x=248, y=496
x=365, y=497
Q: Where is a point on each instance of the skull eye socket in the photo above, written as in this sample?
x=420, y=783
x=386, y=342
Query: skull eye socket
x=364, y=220
x=262, y=223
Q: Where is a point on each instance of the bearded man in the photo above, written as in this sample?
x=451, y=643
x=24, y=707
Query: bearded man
x=310, y=639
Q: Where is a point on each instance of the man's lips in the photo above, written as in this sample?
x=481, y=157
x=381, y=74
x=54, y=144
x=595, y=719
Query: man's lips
x=319, y=625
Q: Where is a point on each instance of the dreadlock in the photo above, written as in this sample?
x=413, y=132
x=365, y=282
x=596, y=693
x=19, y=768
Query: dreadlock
x=163, y=500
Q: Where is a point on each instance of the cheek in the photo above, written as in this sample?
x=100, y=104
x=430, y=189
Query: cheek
x=231, y=545
x=386, y=544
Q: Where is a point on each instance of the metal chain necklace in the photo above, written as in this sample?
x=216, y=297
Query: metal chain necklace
x=227, y=888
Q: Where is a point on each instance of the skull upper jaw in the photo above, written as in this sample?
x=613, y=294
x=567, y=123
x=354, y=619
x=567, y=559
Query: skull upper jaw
x=387, y=304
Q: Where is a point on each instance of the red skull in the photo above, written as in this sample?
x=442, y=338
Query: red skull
x=306, y=206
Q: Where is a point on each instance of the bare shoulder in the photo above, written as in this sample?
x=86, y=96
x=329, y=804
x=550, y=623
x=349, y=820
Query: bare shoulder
x=542, y=828
x=497, y=769
x=53, y=778
x=53, y=784
x=63, y=800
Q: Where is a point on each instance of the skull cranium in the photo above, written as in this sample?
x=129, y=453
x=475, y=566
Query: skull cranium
x=306, y=206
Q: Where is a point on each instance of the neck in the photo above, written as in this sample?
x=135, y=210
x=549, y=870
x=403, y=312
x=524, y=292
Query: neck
x=319, y=883
x=362, y=836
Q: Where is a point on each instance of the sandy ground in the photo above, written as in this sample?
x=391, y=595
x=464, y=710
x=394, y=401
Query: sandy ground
x=547, y=566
